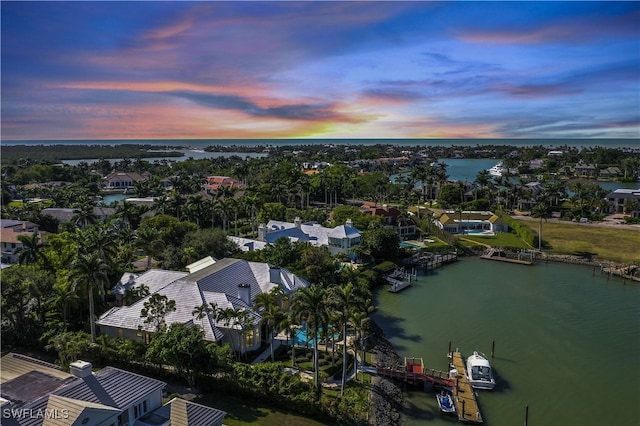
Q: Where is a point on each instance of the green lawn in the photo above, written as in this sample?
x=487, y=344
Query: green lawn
x=620, y=245
x=240, y=412
x=501, y=239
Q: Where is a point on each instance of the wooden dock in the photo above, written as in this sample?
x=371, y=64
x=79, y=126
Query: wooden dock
x=414, y=372
x=493, y=254
x=463, y=396
x=399, y=280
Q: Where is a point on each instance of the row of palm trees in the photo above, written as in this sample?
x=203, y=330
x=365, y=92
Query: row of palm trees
x=325, y=311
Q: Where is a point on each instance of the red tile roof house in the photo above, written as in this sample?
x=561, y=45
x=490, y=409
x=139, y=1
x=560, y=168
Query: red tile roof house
x=36, y=393
x=213, y=183
x=393, y=217
x=10, y=230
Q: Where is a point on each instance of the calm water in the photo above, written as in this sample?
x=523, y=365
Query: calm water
x=567, y=342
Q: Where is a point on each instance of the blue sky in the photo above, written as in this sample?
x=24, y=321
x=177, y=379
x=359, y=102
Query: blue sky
x=329, y=69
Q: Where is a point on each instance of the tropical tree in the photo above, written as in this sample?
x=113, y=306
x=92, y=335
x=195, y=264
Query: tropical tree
x=90, y=271
x=182, y=347
x=308, y=304
x=149, y=240
x=156, y=310
x=267, y=304
x=540, y=211
x=345, y=300
x=30, y=251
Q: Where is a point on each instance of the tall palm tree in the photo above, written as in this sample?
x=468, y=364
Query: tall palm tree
x=309, y=304
x=90, y=271
x=540, y=211
x=344, y=301
x=148, y=239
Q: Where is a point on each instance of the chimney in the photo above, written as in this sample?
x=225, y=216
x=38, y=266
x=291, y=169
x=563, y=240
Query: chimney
x=244, y=293
x=385, y=207
x=262, y=231
x=297, y=222
x=274, y=275
x=349, y=223
x=81, y=369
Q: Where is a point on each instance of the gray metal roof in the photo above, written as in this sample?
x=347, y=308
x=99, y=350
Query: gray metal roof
x=216, y=283
x=188, y=413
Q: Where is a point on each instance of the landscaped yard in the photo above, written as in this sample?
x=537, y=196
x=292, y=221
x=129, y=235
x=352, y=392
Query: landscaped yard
x=620, y=245
x=501, y=239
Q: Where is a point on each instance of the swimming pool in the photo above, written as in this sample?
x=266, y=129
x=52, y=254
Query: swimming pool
x=302, y=339
x=410, y=245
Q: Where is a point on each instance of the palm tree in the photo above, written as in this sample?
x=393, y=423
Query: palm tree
x=148, y=239
x=30, y=250
x=345, y=300
x=309, y=304
x=90, y=271
x=540, y=211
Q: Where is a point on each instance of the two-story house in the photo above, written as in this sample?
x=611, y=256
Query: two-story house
x=229, y=283
x=341, y=239
x=10, y=230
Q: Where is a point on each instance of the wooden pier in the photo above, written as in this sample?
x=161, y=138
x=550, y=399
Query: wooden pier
x=414, y=372
x=399, y=280
x=463, y=396
x=494, y=254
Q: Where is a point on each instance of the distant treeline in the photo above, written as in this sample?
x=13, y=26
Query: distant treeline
x=16, y=154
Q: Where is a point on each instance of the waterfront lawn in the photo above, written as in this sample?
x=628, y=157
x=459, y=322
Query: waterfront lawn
x=619, y=245
x=501, y=239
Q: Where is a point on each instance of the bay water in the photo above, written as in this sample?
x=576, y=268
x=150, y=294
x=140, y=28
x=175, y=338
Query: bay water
x=567, y=340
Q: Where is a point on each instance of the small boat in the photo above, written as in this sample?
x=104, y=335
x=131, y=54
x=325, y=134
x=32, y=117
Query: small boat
x=497, y=170
x=479, y=372
x=445, y=401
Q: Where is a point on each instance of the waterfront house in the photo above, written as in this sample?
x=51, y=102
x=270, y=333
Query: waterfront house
x=10, y=230
x=585, y=170
x=620, y=198
x=37, y=393
x=391, y=217
x=228, y=283
x=339, y=240
x=462, y=222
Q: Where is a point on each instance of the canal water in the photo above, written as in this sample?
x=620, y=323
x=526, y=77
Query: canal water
x=567, y=340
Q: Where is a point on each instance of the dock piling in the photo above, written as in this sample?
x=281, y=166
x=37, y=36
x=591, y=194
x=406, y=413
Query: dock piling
x=493, y=347
x=526, y=415
x=449, y=353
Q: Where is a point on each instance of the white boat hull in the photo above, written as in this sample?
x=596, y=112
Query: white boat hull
x=479, y=372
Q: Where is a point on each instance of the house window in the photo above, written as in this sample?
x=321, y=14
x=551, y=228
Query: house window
x=120, y=332
x=249, y=338
x=140, y=409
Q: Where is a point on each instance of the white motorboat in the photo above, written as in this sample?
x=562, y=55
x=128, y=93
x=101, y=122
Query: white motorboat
x=497, y=170
x=479, y=372
x=445, y=401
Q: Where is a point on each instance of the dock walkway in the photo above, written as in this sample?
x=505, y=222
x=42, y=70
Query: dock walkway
x=499, y=255
x=463, y=396
x=415, y=372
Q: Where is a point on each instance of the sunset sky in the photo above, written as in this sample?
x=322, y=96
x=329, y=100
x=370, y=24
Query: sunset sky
x=329, y=69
